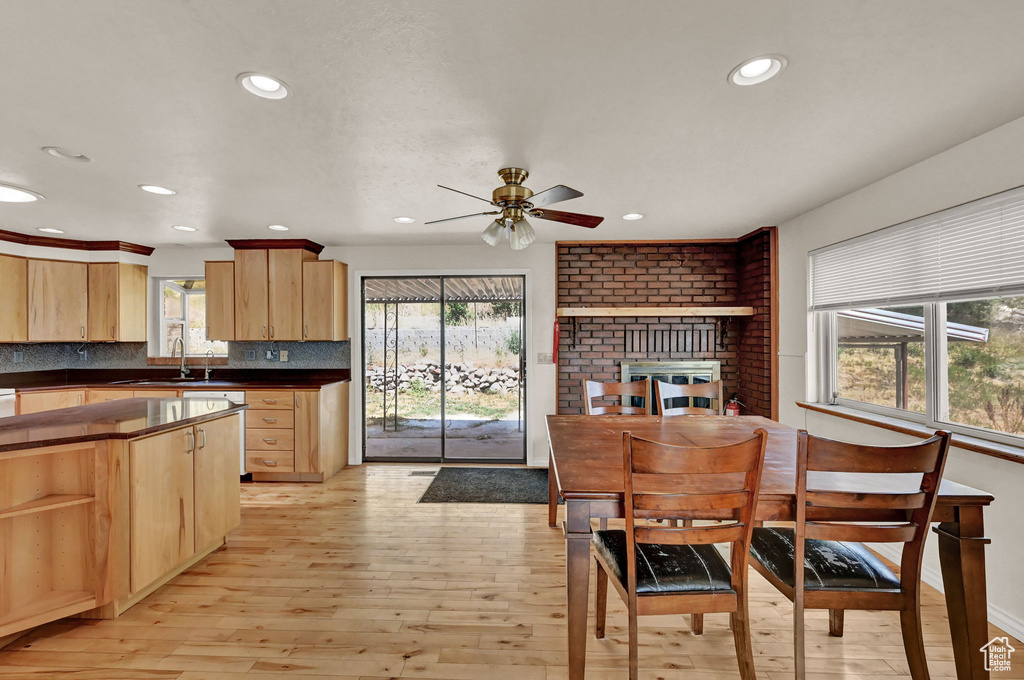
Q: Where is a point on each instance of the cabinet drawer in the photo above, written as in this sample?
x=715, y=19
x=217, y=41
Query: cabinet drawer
x=269, y=440
x=266, y=419
x=269, y=461
x=271, y=400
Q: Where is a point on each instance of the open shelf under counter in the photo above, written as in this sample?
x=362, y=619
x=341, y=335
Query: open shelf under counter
x=45, y=608
x=47, y=503
x=653, y=311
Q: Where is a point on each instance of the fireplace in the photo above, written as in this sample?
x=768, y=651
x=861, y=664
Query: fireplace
x=677, y=372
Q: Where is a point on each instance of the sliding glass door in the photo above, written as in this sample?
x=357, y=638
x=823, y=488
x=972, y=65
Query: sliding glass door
x=443, y=360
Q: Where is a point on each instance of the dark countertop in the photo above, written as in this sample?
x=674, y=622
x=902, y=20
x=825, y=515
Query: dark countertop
x=224, y=379
x=122, y=419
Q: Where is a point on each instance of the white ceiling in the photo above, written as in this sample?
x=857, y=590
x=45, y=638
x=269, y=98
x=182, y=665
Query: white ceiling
x=625, y=101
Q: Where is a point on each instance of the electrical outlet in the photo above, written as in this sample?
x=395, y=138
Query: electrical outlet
x=250, y=355
x=19, y=356
x=284, y=355
x=270, y=355
x=545, y=358
x=83, y=355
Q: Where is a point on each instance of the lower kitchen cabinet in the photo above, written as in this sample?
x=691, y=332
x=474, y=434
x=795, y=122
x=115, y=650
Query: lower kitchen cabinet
x=184, y=493
x=34, y=402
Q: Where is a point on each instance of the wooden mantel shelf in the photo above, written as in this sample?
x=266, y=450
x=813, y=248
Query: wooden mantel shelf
x=654, y=311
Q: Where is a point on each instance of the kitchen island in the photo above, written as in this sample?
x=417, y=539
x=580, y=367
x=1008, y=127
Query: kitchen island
x=101, y=504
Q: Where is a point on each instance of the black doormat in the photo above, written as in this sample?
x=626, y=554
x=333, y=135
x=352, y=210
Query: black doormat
x=488, y=485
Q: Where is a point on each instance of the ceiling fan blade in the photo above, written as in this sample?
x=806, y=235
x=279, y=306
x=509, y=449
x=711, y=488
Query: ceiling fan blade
x=462, y=217
x=577, y=219
x=465, y=194
x=555, y=194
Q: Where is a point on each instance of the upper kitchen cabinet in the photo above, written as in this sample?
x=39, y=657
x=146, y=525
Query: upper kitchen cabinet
x=220, y=300
x=117, y=302
x=324, y=300
x=58, y=300
x=13, y=299
x=268, y=289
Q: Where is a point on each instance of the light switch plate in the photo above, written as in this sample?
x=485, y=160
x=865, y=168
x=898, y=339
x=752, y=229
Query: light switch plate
x=250, y=355
x=545, y=358
x=284, y=355
x=19, y=356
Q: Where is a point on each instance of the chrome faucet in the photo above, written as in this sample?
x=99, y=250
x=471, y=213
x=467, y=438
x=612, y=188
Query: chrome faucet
x=209, y=355
x=174, y=348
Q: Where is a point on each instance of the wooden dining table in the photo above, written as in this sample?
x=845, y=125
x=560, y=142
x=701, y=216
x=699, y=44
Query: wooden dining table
x=586, y=470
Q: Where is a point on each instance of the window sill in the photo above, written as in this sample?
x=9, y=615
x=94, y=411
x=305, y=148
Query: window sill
x=189, y=361
x=960, y=441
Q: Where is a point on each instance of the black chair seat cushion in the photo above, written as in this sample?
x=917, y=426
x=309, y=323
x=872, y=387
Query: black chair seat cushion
x=666, y=568
x=828, y=565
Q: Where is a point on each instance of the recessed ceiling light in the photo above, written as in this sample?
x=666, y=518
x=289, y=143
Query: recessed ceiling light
x=50, y=230
x=154, y=189
x=757, y=70
x=12, y=194
x=182, y=227
x=278, y=227
x=263, y=85
x=633, y=216
x=403, y=220
x=66, y=155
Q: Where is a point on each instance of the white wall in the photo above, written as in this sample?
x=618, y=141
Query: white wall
x=538, y=264
x=985, y=165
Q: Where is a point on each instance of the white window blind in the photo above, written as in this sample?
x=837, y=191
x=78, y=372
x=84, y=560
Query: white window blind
x=975, y=250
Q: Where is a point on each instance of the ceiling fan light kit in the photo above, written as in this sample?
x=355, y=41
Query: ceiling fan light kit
x=515, y=202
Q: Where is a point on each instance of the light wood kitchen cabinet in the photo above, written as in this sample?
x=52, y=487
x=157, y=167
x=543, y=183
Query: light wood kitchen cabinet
x=34, y=402
x=103, y=396
x=13, y=299
x=220, y=300
x=324, y=300
x=285, y=292
x=184, y=497
x=252, y=307
x=162, y=504
x=218, y=493
x=117, y=302
x=58, y=300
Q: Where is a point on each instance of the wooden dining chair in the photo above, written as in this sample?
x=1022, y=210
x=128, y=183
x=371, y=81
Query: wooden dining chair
x=664, y=391
x=839, y=572
x=596, y=390
x=677, y=570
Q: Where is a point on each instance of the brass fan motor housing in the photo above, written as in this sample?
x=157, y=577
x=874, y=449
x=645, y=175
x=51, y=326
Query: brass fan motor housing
x=513, y=193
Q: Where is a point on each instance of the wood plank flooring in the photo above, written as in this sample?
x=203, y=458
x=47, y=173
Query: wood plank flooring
x=353, y=579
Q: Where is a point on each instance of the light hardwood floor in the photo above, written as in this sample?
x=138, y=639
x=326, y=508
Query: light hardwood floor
x=353, y=579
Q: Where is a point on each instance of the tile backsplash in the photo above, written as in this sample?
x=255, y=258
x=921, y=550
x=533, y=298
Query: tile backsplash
x=48, y=356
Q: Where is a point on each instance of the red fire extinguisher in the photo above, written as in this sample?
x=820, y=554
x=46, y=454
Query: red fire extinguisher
x=554, y=343
x=732, y=407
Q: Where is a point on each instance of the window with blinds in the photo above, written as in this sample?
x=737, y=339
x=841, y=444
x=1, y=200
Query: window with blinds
x=925, y=319
x=971, y=251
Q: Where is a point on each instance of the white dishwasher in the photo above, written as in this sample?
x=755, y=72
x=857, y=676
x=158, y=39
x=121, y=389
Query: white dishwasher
x=236, y=397
x=6, y=402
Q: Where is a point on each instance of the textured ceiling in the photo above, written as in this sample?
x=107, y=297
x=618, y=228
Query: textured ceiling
x=625, y=101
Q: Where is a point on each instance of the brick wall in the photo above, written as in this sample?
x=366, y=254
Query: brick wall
x=755, y=346
x=653, y=274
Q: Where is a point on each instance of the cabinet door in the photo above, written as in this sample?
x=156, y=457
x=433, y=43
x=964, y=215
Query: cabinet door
x=217, y=462
x=162, y=500
x=133, y=285
x=220, y=300
x=103, y=304
x=307, y=431
x=13, y=299
x=251, y=306
x=103, y=396
x=285, y=280
x=324, y=300
x=57, y=300
x=34, y=402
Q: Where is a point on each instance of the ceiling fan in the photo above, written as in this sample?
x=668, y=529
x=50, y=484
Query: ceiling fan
x=515, y=202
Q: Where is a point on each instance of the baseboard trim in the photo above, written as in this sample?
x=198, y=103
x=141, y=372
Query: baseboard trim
x=997, y=616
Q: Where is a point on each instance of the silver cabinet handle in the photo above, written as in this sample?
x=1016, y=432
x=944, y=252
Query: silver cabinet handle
x=202, y=432
x=270, y=441
x=264, y=331
x=271, y=330
x=305, y=331
x=270, y=420
x=79, y=399
x=270, y=401
x=191, y=441
x=83, y=331
x=111, y=331
x=270, y=463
